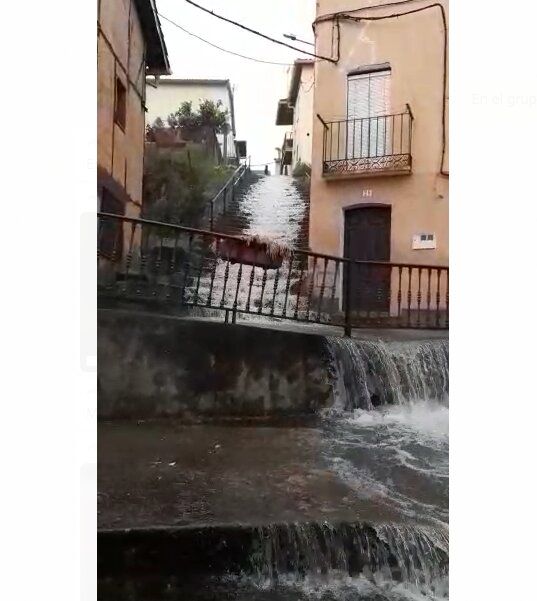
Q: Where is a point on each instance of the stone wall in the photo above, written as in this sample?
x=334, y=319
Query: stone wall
x=154, y=366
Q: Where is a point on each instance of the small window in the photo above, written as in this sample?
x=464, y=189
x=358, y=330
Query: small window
x=120, y=110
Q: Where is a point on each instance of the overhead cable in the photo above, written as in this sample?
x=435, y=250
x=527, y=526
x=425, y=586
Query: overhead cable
x=331, y=16
x=257, y=60
x=258, y=33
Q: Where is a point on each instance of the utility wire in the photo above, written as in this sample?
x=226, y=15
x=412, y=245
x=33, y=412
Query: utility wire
x=257, y=60
x=331, y=16
x=258, y=33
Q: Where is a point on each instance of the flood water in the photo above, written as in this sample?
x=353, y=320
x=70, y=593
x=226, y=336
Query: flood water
x=274, y=208
x=394, y=457
x=353, y=507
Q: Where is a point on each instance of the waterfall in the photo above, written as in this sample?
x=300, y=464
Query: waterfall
x=413, y=555
x=369, y=373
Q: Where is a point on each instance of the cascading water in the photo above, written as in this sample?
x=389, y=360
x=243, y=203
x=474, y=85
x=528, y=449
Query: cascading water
x=379, y=553
x=386, y=437
x=254, y=288
x=369, y=373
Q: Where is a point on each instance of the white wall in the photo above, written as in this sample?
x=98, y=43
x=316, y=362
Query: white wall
x=303, y=118
x=167, y=97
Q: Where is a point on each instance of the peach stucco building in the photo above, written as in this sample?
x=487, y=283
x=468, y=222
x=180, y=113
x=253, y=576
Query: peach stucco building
x=379, y=187
x=130, y=46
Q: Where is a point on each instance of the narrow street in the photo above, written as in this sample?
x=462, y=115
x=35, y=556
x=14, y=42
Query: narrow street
x=273, y=408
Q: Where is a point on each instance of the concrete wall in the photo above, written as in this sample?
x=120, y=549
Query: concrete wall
x=120, y=53
x=152, y=366
x=167, y=96
x=413, y=45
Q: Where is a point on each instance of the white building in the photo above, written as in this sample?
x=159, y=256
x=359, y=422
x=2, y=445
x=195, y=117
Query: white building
x=168, y=94
x=296, y=112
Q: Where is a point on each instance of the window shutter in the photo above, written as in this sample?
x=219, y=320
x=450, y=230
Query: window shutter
x=358, y=97
x=379, y=94
x=368, y=96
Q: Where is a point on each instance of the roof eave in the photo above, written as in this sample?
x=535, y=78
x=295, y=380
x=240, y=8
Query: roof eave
x=294, y=86
x=157, y=62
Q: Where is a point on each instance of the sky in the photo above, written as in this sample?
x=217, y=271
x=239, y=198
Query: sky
x=257, y=86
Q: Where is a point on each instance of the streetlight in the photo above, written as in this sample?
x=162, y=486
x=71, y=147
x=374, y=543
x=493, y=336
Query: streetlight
x=293, y=37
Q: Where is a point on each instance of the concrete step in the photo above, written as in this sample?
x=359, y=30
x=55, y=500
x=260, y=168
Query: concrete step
x=186, y=509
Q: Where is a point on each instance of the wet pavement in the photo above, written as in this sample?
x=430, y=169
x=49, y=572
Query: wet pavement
x=162, y=474
x=388, y=334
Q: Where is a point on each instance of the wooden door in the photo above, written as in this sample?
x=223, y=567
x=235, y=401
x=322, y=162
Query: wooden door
x=367, y=238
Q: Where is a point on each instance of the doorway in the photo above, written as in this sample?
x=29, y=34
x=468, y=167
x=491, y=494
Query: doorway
x=367, y=238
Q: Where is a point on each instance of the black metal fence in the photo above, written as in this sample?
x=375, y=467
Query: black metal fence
x=369, y=144
x=218, y=206
x=186, y=267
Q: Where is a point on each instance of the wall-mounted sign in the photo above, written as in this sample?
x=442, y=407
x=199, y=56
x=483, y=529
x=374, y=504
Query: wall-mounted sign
x=423, y=241
x=368, y=193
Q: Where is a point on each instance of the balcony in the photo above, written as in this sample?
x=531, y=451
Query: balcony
x=287, y=142
x=368, y=146
x=287, y=152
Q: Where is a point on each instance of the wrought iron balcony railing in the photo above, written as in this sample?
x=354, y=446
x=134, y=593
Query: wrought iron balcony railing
x=368, y=145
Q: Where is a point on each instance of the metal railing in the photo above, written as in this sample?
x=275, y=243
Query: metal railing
x=186, y=267
x=287, y=145
x=218, y=205
x=369, y=144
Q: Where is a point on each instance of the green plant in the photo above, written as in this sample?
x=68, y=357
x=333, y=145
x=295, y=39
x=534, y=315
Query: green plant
x=179, y=184
x=209, y=115
x=302, y=178
x=302, y=170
